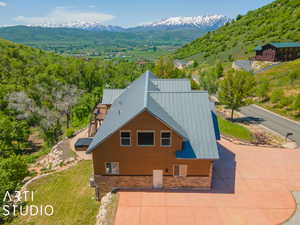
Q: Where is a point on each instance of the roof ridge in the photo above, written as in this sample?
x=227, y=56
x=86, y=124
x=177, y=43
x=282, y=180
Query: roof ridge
x=146, y=89
x=177, y=91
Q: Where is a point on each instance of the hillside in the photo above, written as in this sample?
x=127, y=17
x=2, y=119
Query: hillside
x=278, y=21
x=279, y=88
x=132, y=44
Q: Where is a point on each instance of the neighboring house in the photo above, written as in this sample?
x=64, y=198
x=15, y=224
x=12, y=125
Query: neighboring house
x=181, y=64
x=157, y=133
x=278, y=51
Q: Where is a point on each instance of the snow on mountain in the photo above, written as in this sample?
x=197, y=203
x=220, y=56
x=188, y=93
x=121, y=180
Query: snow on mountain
x=212, y=21
x=202, y=22
x=81, y=25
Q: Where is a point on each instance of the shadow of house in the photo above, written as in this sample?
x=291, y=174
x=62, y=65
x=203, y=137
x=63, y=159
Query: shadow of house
x=224, y=172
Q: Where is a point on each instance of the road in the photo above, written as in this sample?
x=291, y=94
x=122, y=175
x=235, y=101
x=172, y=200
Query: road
x=273, y=122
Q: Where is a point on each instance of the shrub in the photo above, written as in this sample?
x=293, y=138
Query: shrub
x=276, y=95
x=70, y=132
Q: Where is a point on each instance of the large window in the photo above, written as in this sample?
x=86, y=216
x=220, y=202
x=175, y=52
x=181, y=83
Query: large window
x=145, y=138
x=165, y=138
x=180, y=170
x=125, y=138
x=112, y=168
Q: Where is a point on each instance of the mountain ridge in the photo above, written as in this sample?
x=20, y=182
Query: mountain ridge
x=201, y=22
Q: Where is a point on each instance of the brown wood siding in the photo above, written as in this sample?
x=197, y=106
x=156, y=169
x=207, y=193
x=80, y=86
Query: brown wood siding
x=270, y=53
x=141, y=160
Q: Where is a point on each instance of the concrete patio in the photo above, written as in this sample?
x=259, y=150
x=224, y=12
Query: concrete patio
x=252, y=185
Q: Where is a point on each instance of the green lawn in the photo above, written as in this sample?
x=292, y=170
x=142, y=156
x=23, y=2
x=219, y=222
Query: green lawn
x=230, y=129
x=70, y=195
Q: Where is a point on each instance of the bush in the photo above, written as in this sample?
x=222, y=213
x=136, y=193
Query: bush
x=70, y=132
x=277, y=95
x=285, y=101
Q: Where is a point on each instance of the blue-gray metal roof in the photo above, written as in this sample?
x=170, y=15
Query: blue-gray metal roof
x=187, y=112
x=109, y=95
x=172, y=84
x=193, y=112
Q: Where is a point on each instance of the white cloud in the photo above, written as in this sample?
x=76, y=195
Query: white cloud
x=63, y=15
x=3, y=4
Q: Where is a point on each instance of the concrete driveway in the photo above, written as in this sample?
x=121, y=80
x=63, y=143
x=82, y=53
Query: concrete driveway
x=272, y=121
x=251, y=187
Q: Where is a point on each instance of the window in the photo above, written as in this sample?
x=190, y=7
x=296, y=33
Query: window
x=180, y=170
x=146, y=138
x=112, y=168
x=165, y=138
x=125, y=138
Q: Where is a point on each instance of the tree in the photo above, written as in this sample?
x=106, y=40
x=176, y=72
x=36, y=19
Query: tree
x=219, y=70
x=234, y=90
x=263, y=89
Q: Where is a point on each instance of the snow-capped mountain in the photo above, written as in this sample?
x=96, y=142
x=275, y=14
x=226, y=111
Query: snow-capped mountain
x=205, y=23
x=81, y=25
x=202, y=22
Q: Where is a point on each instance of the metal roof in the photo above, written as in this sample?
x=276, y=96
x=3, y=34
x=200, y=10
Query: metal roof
x=285, y=44
x=172, y=84
x=186, y=112
x=280, y=45
x=109, y=95
x=83, y=142
x=193, y=112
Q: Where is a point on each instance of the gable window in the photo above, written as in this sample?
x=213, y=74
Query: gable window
x=180, y=170
x=145, y=138
x=112, y=168
x=165, y=138
x=125, y=138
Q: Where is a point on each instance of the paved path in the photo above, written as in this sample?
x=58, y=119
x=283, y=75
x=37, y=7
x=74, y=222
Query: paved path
x=294, y=220
x=252, y=185
x=272, y=121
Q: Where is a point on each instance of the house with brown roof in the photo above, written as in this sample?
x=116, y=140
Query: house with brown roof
x=157, y=133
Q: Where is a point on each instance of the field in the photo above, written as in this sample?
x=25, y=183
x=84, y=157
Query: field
x=69, y=194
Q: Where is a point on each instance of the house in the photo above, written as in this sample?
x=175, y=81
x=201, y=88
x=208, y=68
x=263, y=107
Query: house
x=181, y=64
x=278, y=51
x=156, y=133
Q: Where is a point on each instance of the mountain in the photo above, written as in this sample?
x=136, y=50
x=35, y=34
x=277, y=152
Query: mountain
x=275, y=22
x=201, y=22
x=94, y=26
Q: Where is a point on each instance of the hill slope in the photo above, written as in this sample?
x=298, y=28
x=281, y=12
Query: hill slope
x=278, y=21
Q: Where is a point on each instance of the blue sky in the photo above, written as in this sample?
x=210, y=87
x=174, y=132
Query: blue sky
x=117, y=12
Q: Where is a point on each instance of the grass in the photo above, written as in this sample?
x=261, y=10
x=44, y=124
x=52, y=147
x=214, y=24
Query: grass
x=230, y=129
x=69, y=194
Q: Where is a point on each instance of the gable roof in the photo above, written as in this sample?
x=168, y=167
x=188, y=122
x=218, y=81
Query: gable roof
x=109, y=95
x=280, y=45
x=164, y=101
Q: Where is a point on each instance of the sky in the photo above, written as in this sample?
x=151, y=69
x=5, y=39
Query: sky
x=117, y=12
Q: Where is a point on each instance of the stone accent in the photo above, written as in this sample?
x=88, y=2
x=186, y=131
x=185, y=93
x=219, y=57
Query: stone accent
x=104, y=184
x=187, y=182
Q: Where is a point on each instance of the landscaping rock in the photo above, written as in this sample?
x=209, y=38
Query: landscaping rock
x=290, y=145
x=105, y=202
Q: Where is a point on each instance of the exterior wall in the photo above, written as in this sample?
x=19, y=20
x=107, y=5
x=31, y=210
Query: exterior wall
x=137, y=160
